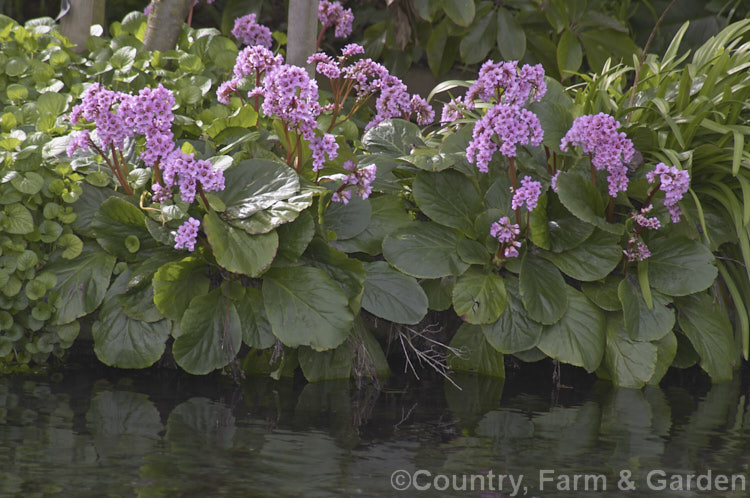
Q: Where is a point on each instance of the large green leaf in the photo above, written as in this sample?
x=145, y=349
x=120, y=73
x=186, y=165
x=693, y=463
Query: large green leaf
x=565, y=230
x=543, y=289
x=424, y=250
x=584, y=201
x=641, y=323
x=115, y=221
x=177, y=283
x=514, y=331
x=579, y=337
x=348, y=273
x=210, y=334
x=476, y=354
x=630, y=363
x=393, y=296
x=326, y=365
x=28, y=183
x=388, y=215
x=256, y=329
x=666, y=350
x=511, y=39
x=306, y=308
x=604, y=293
x=594, y=259
x=394, y=137
x=256, y=184
x=439, y=292
x=479, y=40
x=19, y=220
x=679, y=266
x=707, y=326
x=294, y=237
x=448, y=198
x=479, y=296
x=81, y=283
x=348, y=220
x=569, y=54
x=139, y=304
x=279, y=213
x=460, y=12
x=125, y=342
x=238, y=251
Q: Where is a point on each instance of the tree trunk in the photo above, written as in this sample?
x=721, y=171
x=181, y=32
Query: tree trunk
x=302, y=32
x=76, y=24
x=164, y=23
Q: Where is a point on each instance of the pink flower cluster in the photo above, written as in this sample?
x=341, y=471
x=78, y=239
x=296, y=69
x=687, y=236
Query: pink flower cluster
x=251, y=62
x=250, y=33
x=452, y=111
x=291, y=95
x=674, y=183
x=187, y=173
x=118, y=116
x=360, y=180
x=507, y=234
x=636, y=250
x=598, y=136
x=513, y=125
x=506, y=84
x=367, y=78
x=332, y=14
x=507, y=122
x=528, y=194
x=640, y=218
x=187, y=234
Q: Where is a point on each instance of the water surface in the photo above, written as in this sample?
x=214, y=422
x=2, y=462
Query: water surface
x=111, y=433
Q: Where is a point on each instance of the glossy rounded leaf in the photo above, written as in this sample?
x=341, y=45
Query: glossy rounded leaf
x=579, y=337
x=584, y=201
x=424, y=250
x=238, y=251
x=640, y=322
x=448, y=198
x=679, y=266
x=393, y=296
x=306, y=307
x=710, y=332
x=543, y=289
x=210, y=334
x=514, y=331
x=479, y=296
x=256, y=184
x=629, y=362
x=177, y=283
x=593, y=259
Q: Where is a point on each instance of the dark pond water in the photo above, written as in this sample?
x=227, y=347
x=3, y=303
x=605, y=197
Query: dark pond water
x=104, y=433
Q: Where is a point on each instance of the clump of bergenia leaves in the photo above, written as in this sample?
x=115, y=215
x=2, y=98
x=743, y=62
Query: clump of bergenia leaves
x=118, y=117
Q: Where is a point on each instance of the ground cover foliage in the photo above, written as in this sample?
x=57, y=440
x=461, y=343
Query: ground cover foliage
x=239, y=226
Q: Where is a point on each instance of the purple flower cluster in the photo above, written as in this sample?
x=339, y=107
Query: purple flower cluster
x=80, y=140
x=508, y=85
x=189, y=174
x=528, y=194
x=644, y=221
x=118, y=116
x=674, y=183
x=187, y=234
x=249, y=32
x=99, y=106
x=333, y=14
x=598, y=136
x=452, y=111
x=359, y=179
x=507, y=234
x=553, y=180
x=636, y=250
x=367, y=78
x=291, y=95
x=513, y=125
x=251, y=62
